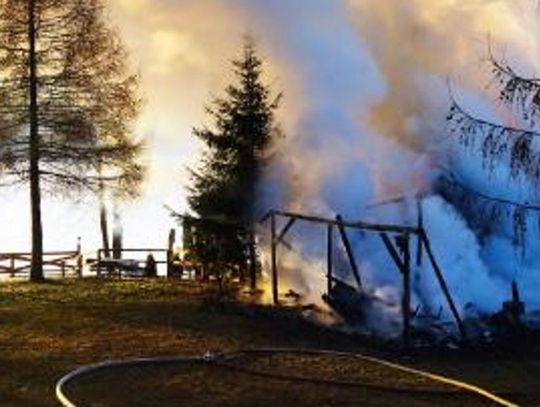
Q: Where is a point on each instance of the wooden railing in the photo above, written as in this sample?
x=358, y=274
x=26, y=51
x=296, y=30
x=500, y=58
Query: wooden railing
x=61, y=262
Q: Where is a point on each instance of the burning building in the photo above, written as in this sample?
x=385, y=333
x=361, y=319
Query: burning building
x=382, y=122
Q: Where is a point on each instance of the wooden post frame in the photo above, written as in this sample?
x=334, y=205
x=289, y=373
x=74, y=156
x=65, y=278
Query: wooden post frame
x=329, y=255
x=98, y=270
x=275, y=294
x=252, y=261
x=401, y=255
x=420, y=224
x=79, y=269
x=406, y=302
x=442, y=283
x=348, y=250
x=402, y=259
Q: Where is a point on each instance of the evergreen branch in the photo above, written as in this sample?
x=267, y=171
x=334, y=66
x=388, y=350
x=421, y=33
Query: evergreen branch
x=451, y=180
x=484, y=211
x=497, y=142
x=517, y=91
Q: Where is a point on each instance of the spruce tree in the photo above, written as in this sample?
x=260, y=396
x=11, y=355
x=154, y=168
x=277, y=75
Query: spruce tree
x=237, y=143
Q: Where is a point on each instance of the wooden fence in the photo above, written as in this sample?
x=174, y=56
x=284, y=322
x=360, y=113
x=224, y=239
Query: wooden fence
x=60, y=262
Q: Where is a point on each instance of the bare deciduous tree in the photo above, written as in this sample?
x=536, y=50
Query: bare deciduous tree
x=67, y=103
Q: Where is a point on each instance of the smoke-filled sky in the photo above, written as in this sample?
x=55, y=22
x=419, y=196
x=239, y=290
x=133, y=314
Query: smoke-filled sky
x=365, y=87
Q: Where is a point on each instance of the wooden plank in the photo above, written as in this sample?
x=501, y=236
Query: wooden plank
x=152, y=250
x=442, y=283
x=79, y=268
x=348, y=250
x=420, y=225
x=98, y=265
x=252, y=261
x=406, y=300
x=356, y=225
x=393, y=252
x=329, y=255
x=284, y=231
x=59, y=253
x=275, y=294
x=21, y=257
x=66, y=253
x=390, y=201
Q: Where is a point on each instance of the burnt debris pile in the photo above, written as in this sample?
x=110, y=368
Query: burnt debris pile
x=357, y=304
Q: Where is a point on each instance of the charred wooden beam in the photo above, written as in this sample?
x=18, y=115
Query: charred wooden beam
x=403, y=263
x=147, y=249
x=284, y=231
x=274, y=260
x=375, y=227
x=267, y=216
x=442, y=283
x=252, y=262
x=391, y=201
x=329, y=260
x=406, y=300
x=348, y=250
x=393, y=252
x=420, y=225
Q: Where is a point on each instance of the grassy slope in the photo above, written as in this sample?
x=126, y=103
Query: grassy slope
x=48, y=329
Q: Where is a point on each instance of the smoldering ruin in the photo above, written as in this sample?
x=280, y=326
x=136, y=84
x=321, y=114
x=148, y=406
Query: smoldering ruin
x=409, y=253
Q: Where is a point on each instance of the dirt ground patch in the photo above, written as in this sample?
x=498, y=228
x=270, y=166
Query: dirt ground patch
x=49, y=329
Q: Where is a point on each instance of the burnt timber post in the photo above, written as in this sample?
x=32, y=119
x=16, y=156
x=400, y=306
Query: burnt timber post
x=274, y=260
x=348, y=250
x=442, y=284
x=402, y=259
x=420, y=225
x=406, y=300
x=252, y=261
x=329, y=247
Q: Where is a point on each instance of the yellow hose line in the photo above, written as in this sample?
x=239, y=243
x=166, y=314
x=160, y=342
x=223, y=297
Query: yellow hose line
x=209, y=357
x=456, y=383
x=435, y=377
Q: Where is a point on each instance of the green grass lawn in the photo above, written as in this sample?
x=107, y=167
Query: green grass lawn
x=48, y=329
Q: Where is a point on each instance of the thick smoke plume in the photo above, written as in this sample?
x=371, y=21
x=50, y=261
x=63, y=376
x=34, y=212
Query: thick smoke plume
x=373, y=80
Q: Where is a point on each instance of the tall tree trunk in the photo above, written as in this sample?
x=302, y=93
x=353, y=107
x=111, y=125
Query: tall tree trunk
x=104, y=226
x=36, y=270
x=117, y=234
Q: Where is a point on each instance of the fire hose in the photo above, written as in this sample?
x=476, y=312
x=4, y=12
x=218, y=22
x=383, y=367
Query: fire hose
x=220, y=360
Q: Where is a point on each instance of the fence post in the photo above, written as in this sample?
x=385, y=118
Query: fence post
x=98, y=269
x=169, y=263
x=63, y=268
x=79, y=258
x=12, y=265
x=170, y=250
